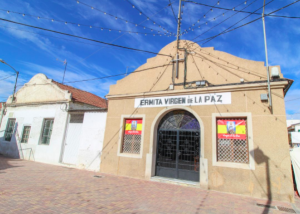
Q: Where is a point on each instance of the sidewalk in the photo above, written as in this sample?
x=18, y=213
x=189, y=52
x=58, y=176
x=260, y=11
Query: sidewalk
x=30, y=187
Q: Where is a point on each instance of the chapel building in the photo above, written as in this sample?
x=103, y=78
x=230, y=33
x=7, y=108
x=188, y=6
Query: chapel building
x=206, y=124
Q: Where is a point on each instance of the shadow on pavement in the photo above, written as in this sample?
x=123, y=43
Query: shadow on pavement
x=5, y=163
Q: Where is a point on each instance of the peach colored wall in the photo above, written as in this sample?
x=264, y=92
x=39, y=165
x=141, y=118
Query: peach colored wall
x=269, y=131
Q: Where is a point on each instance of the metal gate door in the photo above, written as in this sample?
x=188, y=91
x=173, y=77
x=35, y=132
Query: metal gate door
x=72, y=142
x=178, y=146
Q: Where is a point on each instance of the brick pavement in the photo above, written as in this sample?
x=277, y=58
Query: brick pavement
x=30, y=187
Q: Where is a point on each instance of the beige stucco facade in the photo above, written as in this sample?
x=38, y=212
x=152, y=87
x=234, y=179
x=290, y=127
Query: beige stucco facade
x=268, y=172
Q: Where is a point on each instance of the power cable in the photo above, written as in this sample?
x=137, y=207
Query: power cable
x=204, y=16
x=121, y=127
x=218, y=73
x=242, y=11
x=247, y=22
x=222, y=67
x=225, y=20
x=79, y=24
x=105, y=77
x=80, y=37
x=238, y=67
x=219, y=64
x=173, y=12
x=7, y=77
x=116, y=17
x=148, y=18
x=242, y=19
x=293, y=99
x=124, y=34
x=51, y=36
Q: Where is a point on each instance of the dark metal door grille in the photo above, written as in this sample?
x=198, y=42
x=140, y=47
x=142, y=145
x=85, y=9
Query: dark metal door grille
x=178, y=149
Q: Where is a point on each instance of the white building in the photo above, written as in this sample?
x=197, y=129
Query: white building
x=294, y=135
x=291, y=122
x=54, y=123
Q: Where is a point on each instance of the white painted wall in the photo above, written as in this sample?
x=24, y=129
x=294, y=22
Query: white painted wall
x=291, y=122
x=295, y=137
x=34, y=116
x=91, y=140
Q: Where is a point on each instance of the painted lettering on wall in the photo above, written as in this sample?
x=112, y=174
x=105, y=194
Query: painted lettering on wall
x=200, y=99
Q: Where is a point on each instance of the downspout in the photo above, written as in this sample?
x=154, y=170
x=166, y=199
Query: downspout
x=62, y=150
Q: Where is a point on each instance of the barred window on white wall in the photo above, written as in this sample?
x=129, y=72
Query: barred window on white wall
x=232, y=142
x=9, y=129
x=26, y=133
x=132, y=137
x=47, y=131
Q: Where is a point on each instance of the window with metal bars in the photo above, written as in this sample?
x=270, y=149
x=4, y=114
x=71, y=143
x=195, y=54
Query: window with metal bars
x=232, y=140
x=47, y=131
x=132, y=136
x=26, y=133
x=9, y=129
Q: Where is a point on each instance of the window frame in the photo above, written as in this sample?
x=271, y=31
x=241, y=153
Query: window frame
x=6, y=129
x=42, y=131
x=122, y=132
x=23, y=133
x=249, y=130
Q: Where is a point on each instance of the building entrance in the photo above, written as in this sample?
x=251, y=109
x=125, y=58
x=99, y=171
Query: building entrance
x=178, y=146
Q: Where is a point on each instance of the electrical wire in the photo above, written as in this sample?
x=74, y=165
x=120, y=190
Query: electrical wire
x=241, y=11
x=79, y=24
x=222, y=67
x=247, y=22
x=148, y=18
x=238, y=67
x=105, y=77
x=7, y=77
x=187, y=13
x=204, y=16
x=225, y=20
x=293, y=99
x=52, y=36
x=173, y=12
x=119, y=18
x=241, y=20
x=123, y=35
x=80, y=37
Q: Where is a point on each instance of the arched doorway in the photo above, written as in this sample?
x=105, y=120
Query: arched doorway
x=178, y=146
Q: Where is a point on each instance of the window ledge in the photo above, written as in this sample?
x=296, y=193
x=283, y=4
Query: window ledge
x=128, y=155
x=234, y=165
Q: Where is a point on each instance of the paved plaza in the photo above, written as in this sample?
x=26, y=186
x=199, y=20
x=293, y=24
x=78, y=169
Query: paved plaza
x=31, y=187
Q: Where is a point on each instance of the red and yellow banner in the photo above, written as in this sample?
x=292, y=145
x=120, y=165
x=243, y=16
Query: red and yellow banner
x=232, y=129
x=133, y=126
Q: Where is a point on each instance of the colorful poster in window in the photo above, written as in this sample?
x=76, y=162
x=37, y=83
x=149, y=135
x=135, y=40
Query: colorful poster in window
x=133, y=127
x=232, y=129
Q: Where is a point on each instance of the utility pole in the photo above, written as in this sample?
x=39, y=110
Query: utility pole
x=17, y=75
x=267, y=62
x=178, y=37
x=178, y=24
x=65, y=63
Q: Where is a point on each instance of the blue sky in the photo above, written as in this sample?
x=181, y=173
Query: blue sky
x=33, y=51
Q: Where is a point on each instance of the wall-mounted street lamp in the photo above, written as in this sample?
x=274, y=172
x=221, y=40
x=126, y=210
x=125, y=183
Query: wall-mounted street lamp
x=17, y=73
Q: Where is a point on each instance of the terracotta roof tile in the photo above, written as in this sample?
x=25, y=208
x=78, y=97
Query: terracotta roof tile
x=83, y=96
